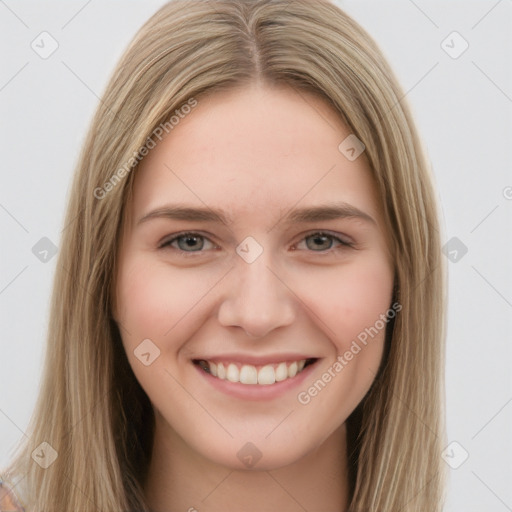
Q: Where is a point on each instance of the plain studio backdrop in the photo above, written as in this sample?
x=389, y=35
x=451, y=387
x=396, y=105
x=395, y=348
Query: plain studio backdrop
x=453, y=60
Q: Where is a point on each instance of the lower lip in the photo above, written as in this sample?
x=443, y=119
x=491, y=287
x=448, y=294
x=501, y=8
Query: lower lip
x=257, y=391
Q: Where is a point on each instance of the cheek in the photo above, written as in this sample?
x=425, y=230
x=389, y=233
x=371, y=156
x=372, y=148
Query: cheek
x=350, y=302
x=351, y=298
x=160, y=304
x=163, y=304
x=153, y=298
x=144, y=301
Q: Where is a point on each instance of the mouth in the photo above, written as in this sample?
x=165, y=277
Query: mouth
x=254, y=375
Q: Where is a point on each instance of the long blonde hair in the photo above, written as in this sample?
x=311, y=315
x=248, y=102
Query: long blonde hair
x=90, y=408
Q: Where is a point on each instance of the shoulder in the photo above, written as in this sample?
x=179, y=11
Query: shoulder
x=8, y=500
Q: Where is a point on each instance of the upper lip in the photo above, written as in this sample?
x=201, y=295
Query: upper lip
x=255, y=360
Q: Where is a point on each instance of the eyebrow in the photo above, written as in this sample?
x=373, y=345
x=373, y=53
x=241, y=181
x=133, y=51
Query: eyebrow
x=320, y=213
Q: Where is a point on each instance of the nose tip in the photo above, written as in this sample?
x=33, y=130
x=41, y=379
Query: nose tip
x=256, y=300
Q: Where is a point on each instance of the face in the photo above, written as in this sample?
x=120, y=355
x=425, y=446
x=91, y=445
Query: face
x=254, y=278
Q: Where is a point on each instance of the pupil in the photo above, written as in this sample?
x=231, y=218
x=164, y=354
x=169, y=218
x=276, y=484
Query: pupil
x=190, y=241
x=320, y=239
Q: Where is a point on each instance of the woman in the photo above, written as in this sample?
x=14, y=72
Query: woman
x=258, y=372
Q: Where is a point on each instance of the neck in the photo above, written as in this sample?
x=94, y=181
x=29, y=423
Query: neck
x=182, y=480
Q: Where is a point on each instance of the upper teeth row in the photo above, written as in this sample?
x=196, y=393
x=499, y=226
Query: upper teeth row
x=249, y=374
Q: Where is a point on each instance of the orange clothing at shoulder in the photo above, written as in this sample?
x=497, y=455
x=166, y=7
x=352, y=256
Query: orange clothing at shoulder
x=8, y=500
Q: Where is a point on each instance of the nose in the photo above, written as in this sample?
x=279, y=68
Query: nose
x=257, y=298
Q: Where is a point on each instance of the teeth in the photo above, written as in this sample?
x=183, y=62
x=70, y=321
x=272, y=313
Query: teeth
x=233, y=375
x=266, y=375
x=221, y=371
x=249, y=374
x=281, y=372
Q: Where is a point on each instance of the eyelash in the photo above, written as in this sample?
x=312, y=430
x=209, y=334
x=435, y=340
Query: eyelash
x=167, y=244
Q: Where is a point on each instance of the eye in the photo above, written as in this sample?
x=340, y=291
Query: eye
x=321, y=241
x=187, y=242
x=191, y=242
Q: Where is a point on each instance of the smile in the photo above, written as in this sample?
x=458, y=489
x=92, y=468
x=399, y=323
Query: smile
x=254, y=375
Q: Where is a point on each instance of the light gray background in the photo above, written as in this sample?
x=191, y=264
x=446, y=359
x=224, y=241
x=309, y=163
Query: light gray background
x=463, y=108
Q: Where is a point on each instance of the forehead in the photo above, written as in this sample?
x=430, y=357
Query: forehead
x=255, y=151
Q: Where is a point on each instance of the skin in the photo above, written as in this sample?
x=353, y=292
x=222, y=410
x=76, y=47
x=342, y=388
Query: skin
x=256, y=152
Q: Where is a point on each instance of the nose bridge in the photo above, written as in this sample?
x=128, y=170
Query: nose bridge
x=256, y=299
